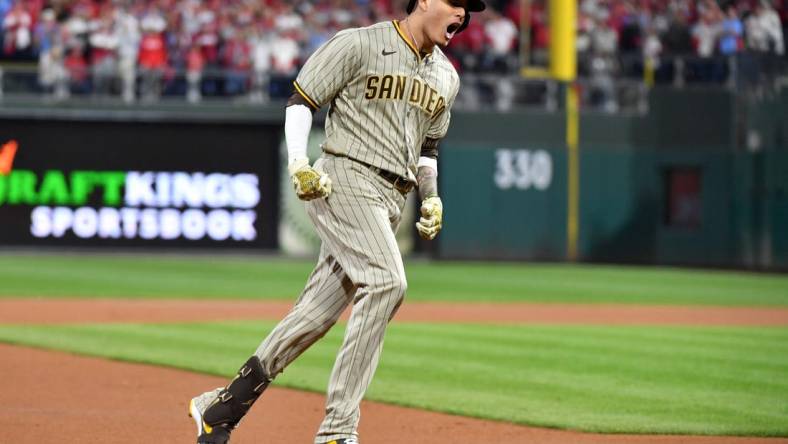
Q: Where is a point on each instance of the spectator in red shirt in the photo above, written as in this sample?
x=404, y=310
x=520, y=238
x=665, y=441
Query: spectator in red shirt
x=152, y=63
x=207, y=39
x=77, y=70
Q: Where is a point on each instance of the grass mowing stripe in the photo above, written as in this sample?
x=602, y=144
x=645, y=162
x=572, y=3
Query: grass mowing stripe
x=251, y=277
x=594, y=359
x=559, y=384
x=711, y=334
x=625, y=355
x=589, y=378
x=659, y=338
x=687, y=337
x=595, y=369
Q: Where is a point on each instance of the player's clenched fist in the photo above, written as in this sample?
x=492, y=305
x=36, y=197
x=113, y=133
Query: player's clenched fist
x=308, y=182
x=431, y=220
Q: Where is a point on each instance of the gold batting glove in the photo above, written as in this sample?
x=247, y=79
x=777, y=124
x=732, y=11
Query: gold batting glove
x=431, y=220
x=308, y=182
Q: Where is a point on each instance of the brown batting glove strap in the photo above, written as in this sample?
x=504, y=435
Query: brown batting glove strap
x=308, y=182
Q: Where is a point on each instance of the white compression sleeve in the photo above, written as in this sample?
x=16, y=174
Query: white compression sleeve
x=298, y=122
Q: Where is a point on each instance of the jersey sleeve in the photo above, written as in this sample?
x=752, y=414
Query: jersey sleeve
x=329, y=69
x=440, y=123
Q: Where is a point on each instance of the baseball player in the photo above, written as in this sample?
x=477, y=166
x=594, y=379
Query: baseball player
x=390, y=89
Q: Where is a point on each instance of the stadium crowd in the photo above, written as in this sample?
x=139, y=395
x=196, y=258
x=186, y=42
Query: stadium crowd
x=143, y=48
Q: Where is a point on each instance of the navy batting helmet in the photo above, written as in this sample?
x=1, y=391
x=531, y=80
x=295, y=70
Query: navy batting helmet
x=471, y=6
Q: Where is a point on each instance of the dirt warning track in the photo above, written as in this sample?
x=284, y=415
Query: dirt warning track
x=46, y=311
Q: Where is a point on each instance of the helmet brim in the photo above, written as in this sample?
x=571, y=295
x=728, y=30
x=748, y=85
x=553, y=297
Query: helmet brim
x=472, y=6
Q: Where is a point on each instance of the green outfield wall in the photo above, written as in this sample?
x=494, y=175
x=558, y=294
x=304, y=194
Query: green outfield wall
x=700, y=179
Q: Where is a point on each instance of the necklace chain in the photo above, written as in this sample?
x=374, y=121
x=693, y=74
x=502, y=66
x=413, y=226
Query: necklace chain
x=415, y=42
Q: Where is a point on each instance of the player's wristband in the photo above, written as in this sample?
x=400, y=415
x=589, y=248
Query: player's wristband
x=428, y=162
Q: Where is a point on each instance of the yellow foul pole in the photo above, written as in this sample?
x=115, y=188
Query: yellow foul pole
x=573, y=172
x=563, y=67
x=563, y=26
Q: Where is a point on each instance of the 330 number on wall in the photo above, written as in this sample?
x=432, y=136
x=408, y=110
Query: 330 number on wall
x=523, y=169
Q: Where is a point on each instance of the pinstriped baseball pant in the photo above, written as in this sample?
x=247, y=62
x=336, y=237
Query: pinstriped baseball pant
x=359, y=263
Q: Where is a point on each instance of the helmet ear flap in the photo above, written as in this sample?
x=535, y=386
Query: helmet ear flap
x=464, y=22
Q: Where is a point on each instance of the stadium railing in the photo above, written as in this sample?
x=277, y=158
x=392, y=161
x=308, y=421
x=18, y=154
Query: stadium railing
x=622, y=87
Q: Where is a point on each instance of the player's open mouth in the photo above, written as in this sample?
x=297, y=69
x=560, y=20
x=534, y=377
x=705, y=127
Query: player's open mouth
x=451, y=29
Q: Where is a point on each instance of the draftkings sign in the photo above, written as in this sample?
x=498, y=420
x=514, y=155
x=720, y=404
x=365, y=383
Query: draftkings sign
x=132, y=184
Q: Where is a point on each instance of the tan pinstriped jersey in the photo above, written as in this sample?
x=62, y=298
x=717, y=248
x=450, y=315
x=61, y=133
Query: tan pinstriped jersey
x=384, y=97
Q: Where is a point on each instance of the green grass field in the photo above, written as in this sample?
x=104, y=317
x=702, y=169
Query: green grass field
x=671, y=380
x=146, y=276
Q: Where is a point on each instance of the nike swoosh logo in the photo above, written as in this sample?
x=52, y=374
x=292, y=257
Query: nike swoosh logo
x=386, y=53
x=7, y=153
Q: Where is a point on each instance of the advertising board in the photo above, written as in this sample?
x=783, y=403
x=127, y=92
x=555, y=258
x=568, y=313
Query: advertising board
x=139, y=184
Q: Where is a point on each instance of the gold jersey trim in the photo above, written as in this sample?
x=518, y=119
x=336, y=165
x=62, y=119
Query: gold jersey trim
x=406, y=39
x=306, y=97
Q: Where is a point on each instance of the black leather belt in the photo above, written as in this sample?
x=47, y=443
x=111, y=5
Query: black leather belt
x=400, y=183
